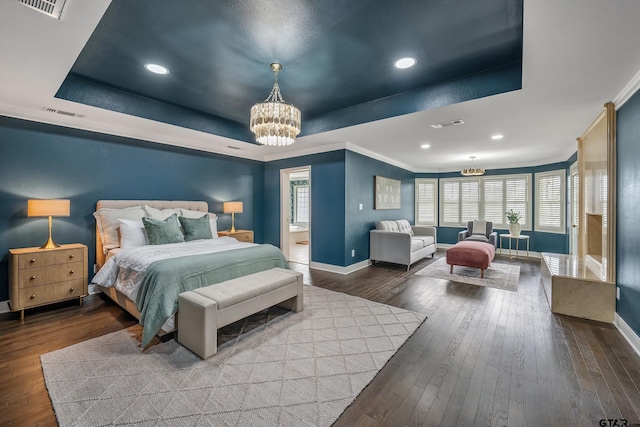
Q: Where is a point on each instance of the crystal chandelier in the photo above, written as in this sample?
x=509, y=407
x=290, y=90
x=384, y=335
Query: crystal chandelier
x=273, y=121
x=472, y=171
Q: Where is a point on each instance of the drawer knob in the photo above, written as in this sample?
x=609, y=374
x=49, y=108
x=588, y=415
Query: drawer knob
x=33, y=277
x=32, y=296
x=71, y=289
x=71, y=256
x=71, y=272
x=33, y=260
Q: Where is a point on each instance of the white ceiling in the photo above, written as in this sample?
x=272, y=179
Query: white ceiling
x=577, y=56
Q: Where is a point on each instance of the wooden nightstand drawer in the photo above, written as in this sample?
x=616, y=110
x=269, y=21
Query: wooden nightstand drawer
x=47, y=257
x=49, y=274
x=38, y=295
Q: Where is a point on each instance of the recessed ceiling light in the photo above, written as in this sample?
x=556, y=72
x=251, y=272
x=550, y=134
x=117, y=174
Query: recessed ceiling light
x=425, y=146
x=405, y=63
x=155, y=68
x=497, y=137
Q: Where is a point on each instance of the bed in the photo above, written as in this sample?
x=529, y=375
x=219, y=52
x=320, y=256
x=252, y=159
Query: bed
x=145, y=280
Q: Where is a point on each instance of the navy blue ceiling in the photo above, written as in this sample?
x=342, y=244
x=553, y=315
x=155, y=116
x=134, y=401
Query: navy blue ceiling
x=337, y=55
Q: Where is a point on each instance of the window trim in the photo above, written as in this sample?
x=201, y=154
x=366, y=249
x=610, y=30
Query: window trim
x=480, y=180
x=436, y=205
x=562, y=229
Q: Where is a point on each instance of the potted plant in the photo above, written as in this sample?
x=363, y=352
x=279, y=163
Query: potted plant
x=513, y=218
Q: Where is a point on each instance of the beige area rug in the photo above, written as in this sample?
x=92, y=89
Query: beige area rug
x=500, y=276
x=300, y=369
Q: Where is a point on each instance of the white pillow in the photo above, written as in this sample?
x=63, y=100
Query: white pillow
x=480, y=227
x=213, y=221
x=160, y=214
x=132, y=233
x=109, y=227
x=187, y=213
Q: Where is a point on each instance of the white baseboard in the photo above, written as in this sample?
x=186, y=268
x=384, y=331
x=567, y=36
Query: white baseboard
x=4, y=307
x=632, y=338
x=338, y=269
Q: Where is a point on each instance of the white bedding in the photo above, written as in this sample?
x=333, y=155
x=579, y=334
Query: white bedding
x=125, y=269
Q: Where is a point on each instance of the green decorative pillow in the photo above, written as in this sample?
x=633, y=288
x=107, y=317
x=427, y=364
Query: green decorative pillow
x=163, y=231
x=196, y=228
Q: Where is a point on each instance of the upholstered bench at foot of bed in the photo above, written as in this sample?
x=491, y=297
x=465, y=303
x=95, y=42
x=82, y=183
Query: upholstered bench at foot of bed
x=471, y=254
x=203, y=311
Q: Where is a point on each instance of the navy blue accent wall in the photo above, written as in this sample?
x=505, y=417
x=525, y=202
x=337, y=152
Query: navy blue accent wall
x=628, y=206
x=538, y=241
x=45, y=161
x=360, y=177
x=327, y=204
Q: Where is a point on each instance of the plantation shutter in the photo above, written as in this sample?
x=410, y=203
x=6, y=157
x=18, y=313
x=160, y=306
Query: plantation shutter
x=517, y=198
x=550, y=201
x=426, y=201
x=493, y=197
x=469, y=201
x=450, y=212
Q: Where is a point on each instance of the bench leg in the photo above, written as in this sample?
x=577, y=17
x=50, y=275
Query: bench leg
x=198, y=324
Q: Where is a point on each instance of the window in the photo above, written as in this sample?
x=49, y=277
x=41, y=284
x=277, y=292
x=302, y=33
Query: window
x=485, y=198
x=301, y=204
x=426, y=201
x=550, y=206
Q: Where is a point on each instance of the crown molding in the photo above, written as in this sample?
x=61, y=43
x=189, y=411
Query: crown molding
x=628, y=91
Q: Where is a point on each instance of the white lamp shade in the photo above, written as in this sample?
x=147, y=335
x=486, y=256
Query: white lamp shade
x=232, y=207
x=49, y=207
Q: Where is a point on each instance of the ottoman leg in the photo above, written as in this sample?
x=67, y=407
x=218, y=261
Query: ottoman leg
x=451, y=269
x=482, y=273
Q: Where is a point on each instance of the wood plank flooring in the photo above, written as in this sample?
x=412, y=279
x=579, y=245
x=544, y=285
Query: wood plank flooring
x=483, y=356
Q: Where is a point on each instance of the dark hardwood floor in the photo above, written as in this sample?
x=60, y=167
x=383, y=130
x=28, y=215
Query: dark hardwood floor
x=483, y=356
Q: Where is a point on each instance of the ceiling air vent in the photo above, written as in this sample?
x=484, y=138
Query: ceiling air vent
x=52, y=8
x=64, y=113
x=447, y=124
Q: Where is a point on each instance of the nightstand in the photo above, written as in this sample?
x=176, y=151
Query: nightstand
x=44, y=276
x=240, y=235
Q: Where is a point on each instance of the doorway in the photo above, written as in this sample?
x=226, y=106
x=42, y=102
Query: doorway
x=574, y=209
x=295, y=214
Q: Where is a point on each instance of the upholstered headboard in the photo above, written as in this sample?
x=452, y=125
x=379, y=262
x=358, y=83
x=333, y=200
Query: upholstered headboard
x=158, y=204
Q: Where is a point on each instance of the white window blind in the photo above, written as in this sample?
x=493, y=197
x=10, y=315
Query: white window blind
x=550, y=201
x=301, y=204
x=426, y=201
x=485, y=198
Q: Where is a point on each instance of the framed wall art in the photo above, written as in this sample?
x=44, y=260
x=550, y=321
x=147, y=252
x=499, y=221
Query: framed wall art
x=387, y=193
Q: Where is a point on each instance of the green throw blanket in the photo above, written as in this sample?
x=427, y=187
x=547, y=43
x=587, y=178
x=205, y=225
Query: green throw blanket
x=164, y=280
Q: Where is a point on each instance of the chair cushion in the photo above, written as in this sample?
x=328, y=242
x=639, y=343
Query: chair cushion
x=404, y=226
x=387, y=226
x=478, y=238
x=416, y=245
x=426, y=240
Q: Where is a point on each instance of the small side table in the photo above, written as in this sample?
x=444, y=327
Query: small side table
x=517, y=239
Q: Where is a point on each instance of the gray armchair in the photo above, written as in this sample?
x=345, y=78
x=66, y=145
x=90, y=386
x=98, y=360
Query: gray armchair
x=487, y=236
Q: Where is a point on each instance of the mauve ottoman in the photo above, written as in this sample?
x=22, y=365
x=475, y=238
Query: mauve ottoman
x=471, y=254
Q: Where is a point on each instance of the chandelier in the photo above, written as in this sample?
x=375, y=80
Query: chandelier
x=472, y=171
x=273, y=121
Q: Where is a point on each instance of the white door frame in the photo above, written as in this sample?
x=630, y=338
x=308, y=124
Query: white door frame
x=285, y=209
x=573, y=226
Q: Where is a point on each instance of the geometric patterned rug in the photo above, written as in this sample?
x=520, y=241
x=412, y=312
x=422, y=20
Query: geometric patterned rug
x=299, y=369
x=500, y=276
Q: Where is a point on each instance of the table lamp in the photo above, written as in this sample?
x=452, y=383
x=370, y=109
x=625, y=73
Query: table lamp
x=50, y=208
x=232, y=208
